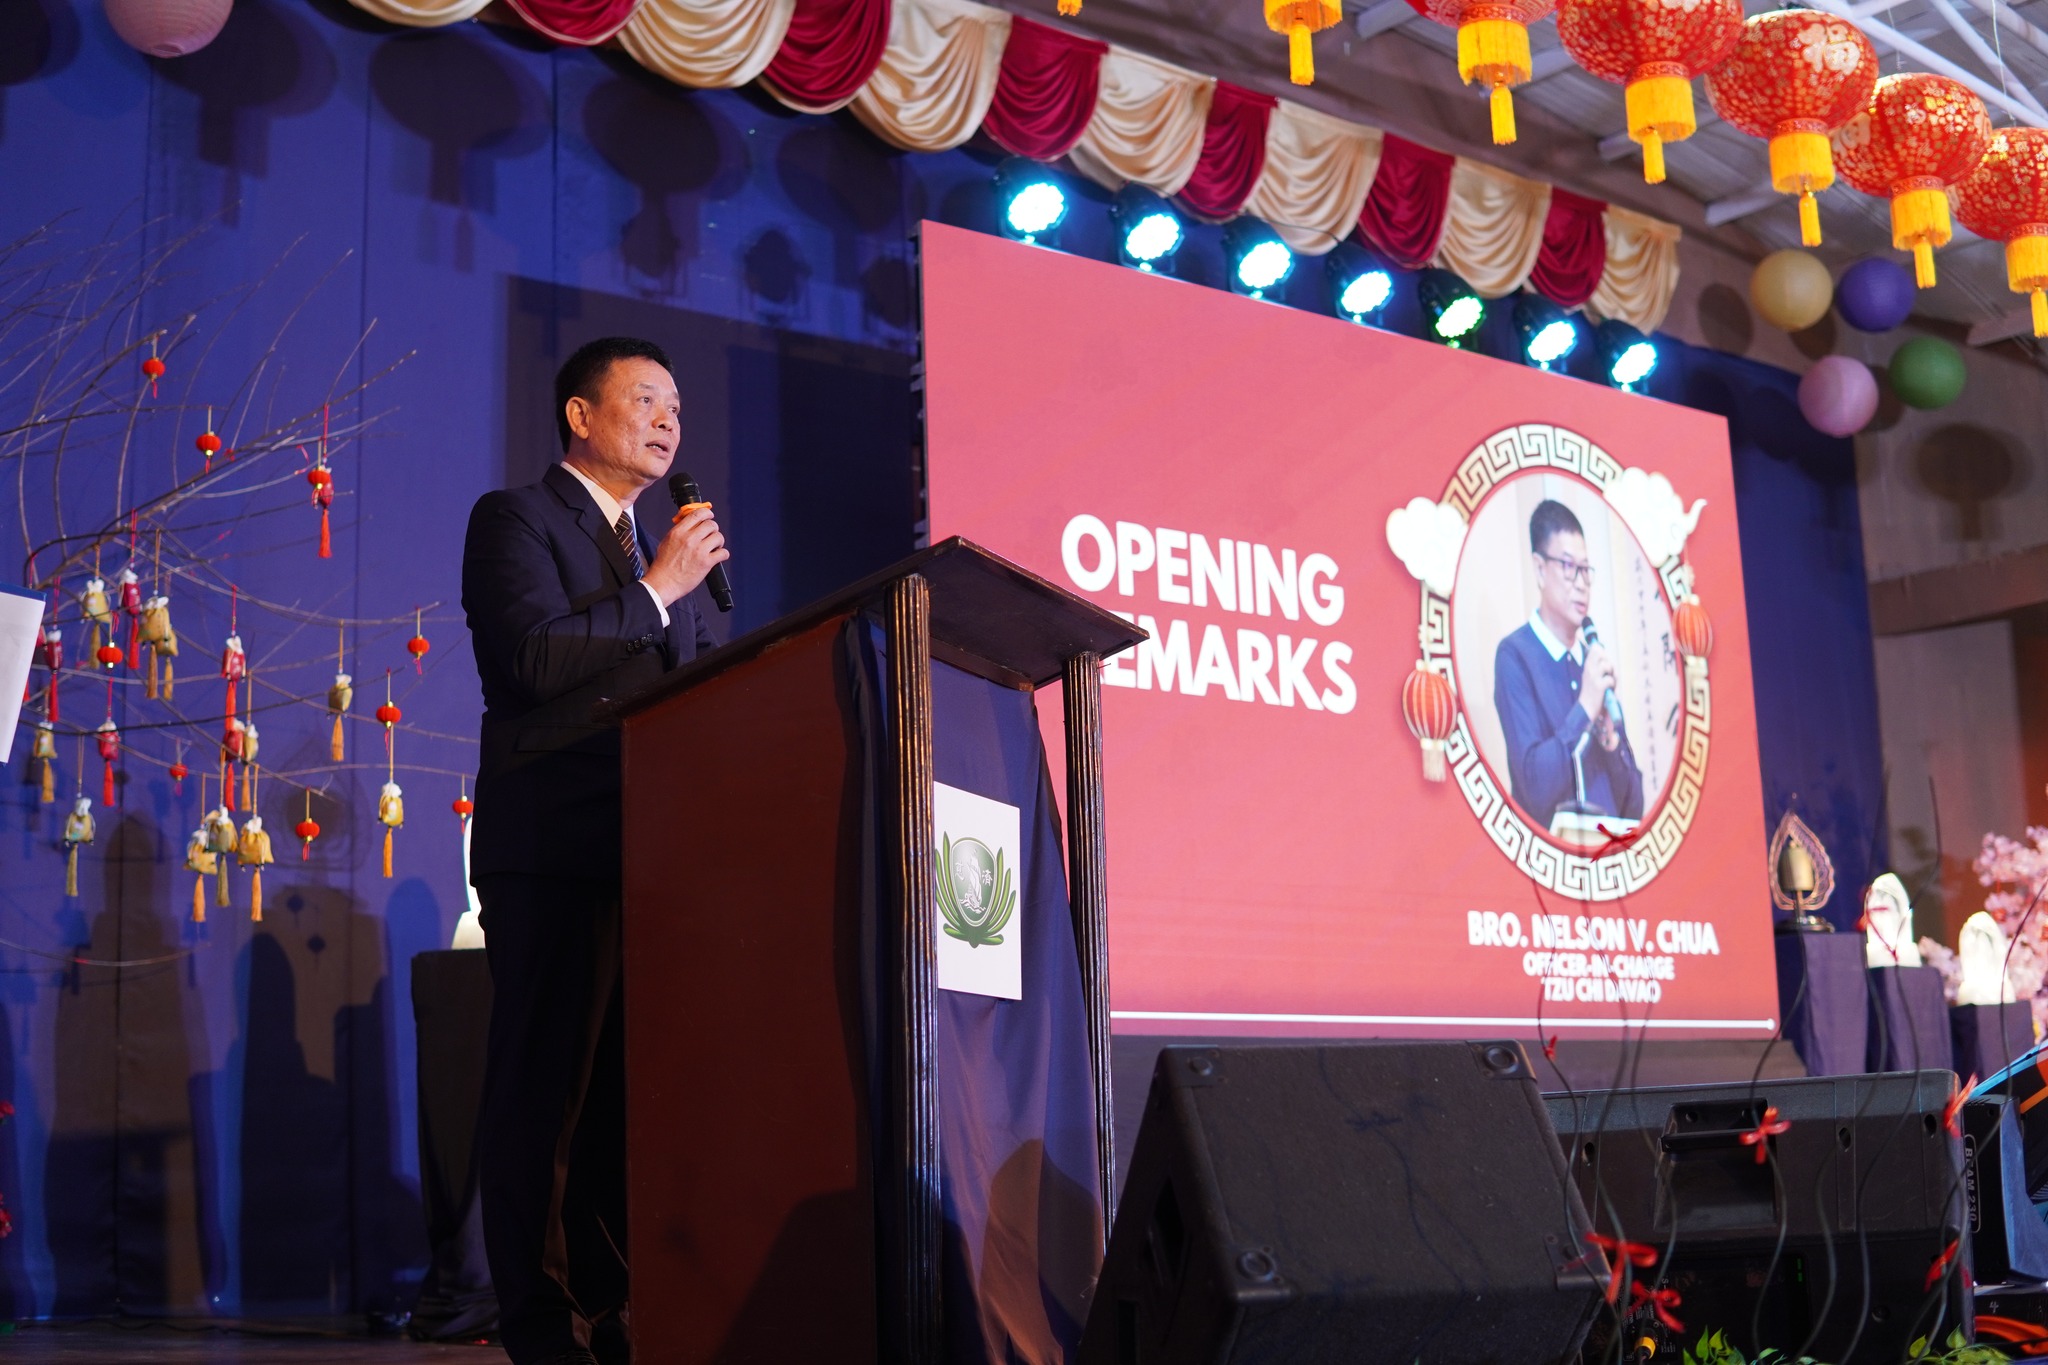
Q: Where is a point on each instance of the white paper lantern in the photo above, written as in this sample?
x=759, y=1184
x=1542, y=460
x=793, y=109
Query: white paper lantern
x=167, y=28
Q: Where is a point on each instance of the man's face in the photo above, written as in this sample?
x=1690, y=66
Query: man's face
x=1565, y=576
x=630, y=431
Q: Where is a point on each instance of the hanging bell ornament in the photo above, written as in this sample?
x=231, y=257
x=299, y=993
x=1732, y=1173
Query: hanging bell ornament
x=417, y=646
x=221, y=840
x=110, y=749
x=162, y=640
x=131, y=607
x=78, y=829
x=202, y=862
x=46, y=750
x=322, y=479
x=252, y=851
x=391, y=812
x=339, y=698
x=94, y=604
x=53, y=659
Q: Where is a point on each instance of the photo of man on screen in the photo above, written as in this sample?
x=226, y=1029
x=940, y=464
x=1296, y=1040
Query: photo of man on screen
x=1570, y=766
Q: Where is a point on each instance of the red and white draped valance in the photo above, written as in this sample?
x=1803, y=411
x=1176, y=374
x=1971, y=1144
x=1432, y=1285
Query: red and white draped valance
x=926, y=75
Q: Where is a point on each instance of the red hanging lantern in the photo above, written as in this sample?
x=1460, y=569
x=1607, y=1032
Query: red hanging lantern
x=152, y=368
x=1920, y=136
x=1653, y=48
x=53, y=659
x=2007, y=201
x=417, y=646
x=178, y=774
x=1796, y=75
x=1431, y=710
x=1695, y=631
x=462, y=805
x=110, y=654
x=322, y=480
x=307, y=830
x=110, y=750
x=1493, y=48
x=209, y=446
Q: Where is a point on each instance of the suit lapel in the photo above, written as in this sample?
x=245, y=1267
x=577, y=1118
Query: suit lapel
x=577, y=499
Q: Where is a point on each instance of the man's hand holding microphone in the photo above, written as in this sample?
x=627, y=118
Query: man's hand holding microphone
x=692, y=551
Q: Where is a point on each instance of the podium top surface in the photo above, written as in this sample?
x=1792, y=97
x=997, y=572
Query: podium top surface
x=988, y=615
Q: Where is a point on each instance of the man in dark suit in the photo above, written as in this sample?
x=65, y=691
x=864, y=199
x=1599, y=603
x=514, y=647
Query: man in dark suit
x=572, y=601
x=1550, y=688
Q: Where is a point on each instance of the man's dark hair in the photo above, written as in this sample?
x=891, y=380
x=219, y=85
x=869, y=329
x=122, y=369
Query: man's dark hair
x=582, y=375
x=1551, y=518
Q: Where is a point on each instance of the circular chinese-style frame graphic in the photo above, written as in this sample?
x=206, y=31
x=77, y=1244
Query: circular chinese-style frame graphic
x=1591, y=812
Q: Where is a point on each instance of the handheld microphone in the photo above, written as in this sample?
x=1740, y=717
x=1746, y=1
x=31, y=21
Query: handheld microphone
x=684, y=490
x=1592, y=637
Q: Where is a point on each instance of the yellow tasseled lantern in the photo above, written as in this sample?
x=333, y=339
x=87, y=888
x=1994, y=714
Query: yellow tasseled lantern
x=2007, y=201
x=1653, y=51
x=1298, y=19
x=1493, y=48
x=1919, y=136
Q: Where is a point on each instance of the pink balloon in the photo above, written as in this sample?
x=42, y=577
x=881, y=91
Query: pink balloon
x=1838, y=396
x=167, y=28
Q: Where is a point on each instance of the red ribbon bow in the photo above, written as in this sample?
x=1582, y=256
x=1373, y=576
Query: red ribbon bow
x=1952, y=1112
x=1550, y=1048
x=1769, y=1126
x=1941, y=1263
x=1661, y=1301
x=1622, y=1254
x=1616, y=841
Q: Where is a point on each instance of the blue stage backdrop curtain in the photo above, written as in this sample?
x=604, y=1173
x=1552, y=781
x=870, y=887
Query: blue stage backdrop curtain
x=1809, y=613
x=1019, y=1176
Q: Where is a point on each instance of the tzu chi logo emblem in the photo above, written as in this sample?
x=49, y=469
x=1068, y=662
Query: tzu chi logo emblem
x=976, y=893
x=1562, y=675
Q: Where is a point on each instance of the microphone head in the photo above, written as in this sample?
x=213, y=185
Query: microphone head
x=1591, y=635
x=683, y=488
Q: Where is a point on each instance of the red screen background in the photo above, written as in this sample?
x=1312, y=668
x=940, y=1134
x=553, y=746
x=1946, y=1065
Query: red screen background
x=1285, y=870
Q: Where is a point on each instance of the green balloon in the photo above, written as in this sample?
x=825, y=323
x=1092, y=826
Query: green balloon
x=1927, y=372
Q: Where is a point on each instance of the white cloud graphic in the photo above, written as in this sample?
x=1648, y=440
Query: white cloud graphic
x=1655, y=512
x=1426, y=536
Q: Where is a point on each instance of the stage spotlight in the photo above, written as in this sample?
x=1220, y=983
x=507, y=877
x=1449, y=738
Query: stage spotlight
x=1259, y=261
x=1453, y=307
x=1030, y=204
x=1359, y=285
x=1148, y=231
x=1548, y=333
x=1627, y=357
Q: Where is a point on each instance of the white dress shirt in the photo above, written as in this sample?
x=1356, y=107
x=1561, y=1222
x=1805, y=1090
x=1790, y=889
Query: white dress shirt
x=611, y=508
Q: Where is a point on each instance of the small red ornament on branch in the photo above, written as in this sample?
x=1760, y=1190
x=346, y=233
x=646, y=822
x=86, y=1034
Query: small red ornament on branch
x=110, y=750
x=417, y=646
x=152, y=368
x=307, y=829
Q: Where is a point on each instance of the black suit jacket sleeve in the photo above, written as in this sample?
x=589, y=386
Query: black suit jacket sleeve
x=525, y=623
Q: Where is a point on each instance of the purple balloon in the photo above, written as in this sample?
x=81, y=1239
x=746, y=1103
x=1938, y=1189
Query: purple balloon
x=1874, y=295
x=1838, y=396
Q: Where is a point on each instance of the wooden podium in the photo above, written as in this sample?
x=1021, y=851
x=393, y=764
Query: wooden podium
x=784, y=1191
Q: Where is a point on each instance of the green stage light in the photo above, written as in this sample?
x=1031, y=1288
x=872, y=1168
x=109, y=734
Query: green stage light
x=1452, y=307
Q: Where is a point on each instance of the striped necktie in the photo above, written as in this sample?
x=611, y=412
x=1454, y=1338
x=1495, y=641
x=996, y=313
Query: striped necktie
x=623, y=529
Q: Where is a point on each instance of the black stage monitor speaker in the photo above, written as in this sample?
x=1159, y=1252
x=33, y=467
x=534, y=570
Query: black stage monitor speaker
x=1847, y=1245
x=1374, y=1202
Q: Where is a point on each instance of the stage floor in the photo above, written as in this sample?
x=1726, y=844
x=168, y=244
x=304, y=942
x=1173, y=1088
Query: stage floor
x=194, y=1343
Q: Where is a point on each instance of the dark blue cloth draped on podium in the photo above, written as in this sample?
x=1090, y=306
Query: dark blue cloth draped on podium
x=1822, y=993
x=1909, y=1027
x=1023, y=1203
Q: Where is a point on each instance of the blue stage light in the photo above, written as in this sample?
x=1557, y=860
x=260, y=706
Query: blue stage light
x=1148, y=230
x=1030, y=204
x=1627, y=357
x=1452, y=307
x=1548, y=332
x=1359, y=285
x=1259, y=261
